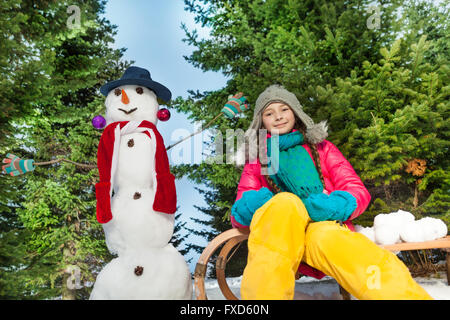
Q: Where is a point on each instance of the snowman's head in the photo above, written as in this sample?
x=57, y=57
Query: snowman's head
x=131, y=102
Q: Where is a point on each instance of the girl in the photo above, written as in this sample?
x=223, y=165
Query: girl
x=295, y=207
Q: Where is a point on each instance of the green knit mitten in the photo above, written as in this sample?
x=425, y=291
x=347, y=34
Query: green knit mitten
x=235, y=104
x=16, y=166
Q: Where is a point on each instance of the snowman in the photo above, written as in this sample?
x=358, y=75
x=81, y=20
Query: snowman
x=136, y=196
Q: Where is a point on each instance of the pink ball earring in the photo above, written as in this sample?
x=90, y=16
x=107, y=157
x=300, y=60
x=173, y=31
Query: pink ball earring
x=163, y=114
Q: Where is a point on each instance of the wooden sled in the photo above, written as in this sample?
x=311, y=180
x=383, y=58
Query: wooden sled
x=235, y=236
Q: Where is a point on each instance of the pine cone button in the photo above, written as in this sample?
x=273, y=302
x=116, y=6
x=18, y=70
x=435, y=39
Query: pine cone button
x=130, y=143
x=138, y=270
x=136, y=196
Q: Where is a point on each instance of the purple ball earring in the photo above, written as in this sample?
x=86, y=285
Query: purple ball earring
x=98, y=122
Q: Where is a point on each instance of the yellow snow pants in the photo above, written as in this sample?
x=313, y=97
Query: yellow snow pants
x=282, y=235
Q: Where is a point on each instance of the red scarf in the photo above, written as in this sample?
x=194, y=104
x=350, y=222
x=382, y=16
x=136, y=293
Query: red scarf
x=107, y=155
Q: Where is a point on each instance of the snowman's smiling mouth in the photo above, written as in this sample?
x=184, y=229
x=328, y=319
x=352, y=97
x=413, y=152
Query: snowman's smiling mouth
x=129, y=111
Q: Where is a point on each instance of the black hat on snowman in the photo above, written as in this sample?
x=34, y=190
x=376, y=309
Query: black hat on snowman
x=138, y=76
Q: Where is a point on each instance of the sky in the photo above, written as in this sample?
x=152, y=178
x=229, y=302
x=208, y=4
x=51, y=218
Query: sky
x=151, y=32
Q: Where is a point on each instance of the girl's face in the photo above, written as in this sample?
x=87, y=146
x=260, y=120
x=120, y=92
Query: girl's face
x=279, y=118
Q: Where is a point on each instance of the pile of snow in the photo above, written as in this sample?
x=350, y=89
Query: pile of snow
x=401, y=226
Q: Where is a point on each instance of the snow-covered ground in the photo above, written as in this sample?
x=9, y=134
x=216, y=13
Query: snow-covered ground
x=307, y=288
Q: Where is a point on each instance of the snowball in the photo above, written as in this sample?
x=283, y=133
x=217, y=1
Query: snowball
x=425, y=229
x=387, y=234
x=387, y=227
x=165, y=275
x=436, y=227
x=393, y=219
x=403, y=217
x=412, y=232
x=442, y=229
x=381, y=219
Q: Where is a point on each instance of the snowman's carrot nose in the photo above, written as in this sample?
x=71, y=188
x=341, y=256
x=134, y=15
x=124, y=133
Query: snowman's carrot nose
x=125, y=99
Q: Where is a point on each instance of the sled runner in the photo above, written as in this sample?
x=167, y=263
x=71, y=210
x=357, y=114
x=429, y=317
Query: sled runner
x=234, y=237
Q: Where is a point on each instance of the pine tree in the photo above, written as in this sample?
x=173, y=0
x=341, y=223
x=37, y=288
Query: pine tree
x=392, y=120
x=178, y=240
x=405, y=148
x=20, y=80
x=62, y=246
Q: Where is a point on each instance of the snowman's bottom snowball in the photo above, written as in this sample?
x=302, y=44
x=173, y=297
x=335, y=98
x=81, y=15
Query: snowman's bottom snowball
x=165, y=276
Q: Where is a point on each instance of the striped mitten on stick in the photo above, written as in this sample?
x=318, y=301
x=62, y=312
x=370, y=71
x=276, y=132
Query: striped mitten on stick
x=16, y=166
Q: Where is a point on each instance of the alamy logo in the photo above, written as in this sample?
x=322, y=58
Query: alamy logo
x=74, y=20
x=74, y=280
x=229, y=148
x=373, y=22
x=374, y=279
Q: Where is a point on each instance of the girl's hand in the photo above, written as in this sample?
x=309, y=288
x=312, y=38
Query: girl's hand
x=244, y=209
x=339, y=205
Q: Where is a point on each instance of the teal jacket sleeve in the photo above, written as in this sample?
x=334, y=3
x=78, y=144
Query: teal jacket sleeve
x=339, y=205
x=251, y=200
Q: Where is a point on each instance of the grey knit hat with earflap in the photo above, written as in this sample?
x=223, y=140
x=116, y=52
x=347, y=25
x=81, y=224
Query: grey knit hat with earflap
x=315, y=133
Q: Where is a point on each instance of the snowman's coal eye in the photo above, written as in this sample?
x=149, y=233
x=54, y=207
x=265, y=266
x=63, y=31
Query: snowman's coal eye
x=139, y=90
x=117, y=92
